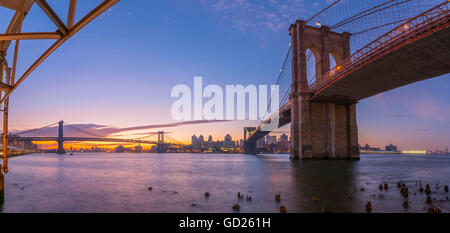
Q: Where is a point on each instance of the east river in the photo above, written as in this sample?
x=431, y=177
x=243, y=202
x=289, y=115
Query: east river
x=113, y=182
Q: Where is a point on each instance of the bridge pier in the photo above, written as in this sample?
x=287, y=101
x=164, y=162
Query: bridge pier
x=329, y=131
x=250, y=148
x=324, y=129
x=61, y=150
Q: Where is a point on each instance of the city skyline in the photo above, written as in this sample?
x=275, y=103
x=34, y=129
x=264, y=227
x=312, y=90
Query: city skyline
x=413, y=117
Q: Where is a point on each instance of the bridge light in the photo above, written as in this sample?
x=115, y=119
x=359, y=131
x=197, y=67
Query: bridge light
x=406, y=26
x=338, y=68
x=318, y=23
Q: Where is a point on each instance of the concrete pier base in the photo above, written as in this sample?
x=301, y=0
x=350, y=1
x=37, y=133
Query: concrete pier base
x=330, y=130
x=250, y=148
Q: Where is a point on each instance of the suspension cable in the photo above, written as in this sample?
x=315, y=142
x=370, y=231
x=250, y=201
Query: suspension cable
x=377, y=27
x=370, y=11
x=84, y=131
x=323, y=10
x=34, y=130
x=279, y=77
x=173, y=139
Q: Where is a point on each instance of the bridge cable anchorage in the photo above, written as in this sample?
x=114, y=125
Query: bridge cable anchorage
x=37, y=129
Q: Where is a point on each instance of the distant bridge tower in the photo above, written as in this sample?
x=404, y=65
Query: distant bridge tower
x=323, y=129
x=161, y=146
x=61, y=138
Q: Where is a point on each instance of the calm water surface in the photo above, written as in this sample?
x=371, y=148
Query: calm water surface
x=108, y=182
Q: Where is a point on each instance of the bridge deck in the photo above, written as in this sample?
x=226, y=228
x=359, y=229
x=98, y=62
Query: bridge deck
x=409, y=62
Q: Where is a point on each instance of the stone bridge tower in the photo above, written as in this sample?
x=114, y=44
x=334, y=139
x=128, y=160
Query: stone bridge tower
x=320, y=129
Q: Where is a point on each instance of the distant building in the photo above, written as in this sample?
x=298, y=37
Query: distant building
x=194, y=139
x=260, y=143
x=284, y=143
x=210, y=139
x=228, y=142
x=195, y=143
x=284, y=139
x=391, y=148
x=201, y=140
x=138, y=149
x=120, y=149
x=271, y=140
x=368, y=148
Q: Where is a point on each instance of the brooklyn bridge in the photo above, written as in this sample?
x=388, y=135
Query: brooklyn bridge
x=322, y=111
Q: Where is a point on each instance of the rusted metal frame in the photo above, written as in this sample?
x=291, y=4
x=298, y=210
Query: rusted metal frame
x=34, y=66
x=10, y=80
x=83, y=22
x=105, y=5
x=30, y=36
x=5, y=120
x=16, y=22
x=71, y=14
x=13, y=5
x=52, y=15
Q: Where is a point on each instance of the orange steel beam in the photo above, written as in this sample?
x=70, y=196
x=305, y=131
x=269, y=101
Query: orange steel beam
x=33, y=67
x=71, y=15
x=5, y=87
x=105, y=5
x=30, y=36
x=16, y=22
x=52, y=15
x=13, y=5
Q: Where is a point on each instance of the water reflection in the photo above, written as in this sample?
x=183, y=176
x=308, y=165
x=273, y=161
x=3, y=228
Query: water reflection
x=119, y=183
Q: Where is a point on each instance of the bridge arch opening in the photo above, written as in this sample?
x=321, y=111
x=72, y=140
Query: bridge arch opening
x=333, y=62
x=311, y=66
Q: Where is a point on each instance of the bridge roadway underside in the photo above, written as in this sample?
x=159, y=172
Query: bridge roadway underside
x=425, y=58
x=418, y=60
x=250, y=145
